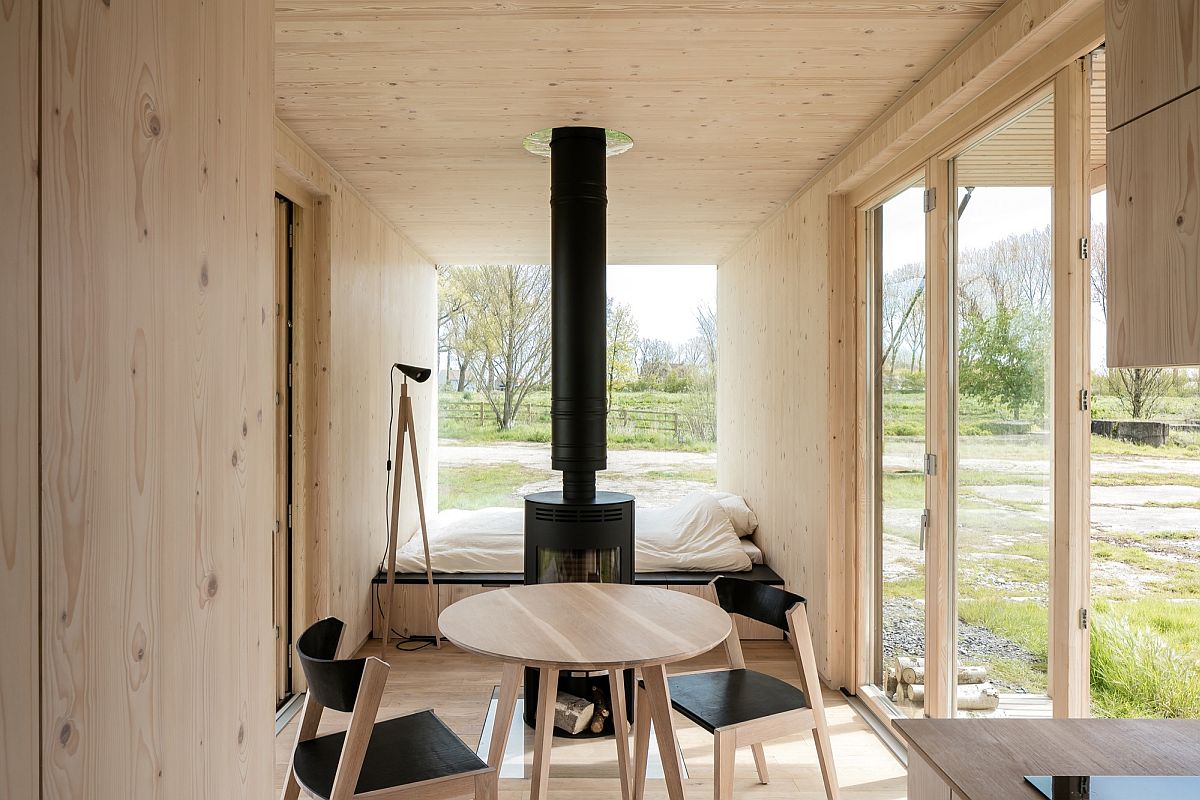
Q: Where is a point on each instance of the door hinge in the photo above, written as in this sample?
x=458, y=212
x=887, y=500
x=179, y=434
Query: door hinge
x=291, y=234
x=276, y=530
x=924, y=527
x=1085, y=400
x=289, y=516
x=1083, y=618
x=289, y=374
x=1083, y=249
x=289, y=656
x=930, y=464
x=276, y=631
x=930, y=199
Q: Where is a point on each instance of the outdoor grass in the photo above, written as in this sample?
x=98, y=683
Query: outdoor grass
x=1145, y=479
x=684, y=473
x=1137, y=671
x=484, y=485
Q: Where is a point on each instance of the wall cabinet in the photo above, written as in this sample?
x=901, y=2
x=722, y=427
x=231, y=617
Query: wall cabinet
x=1153, y=55
x=1153, y=183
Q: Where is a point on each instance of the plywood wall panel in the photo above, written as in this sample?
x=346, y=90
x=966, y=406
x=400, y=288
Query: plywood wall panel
x=157, y=407
x=19, y=527
x=773, y=395
x=381, y=301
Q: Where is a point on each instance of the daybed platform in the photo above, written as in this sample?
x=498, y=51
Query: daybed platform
x=413, y=614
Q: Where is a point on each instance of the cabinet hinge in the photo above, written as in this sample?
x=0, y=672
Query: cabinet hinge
x=1083, y=249
x=930, y=464
x=1085, y=400
x=1083, y=618
x=930, y=199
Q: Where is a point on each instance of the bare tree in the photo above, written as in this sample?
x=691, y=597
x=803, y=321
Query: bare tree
x=508, y=330
x=620, y=347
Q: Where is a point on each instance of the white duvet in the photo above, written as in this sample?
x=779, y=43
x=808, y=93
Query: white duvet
x=695, y=535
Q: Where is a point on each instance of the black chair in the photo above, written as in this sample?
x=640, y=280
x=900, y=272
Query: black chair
x=740, y=706
x=414, y=754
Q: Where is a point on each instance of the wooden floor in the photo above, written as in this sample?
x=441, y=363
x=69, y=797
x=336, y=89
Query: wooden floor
x=458, y=687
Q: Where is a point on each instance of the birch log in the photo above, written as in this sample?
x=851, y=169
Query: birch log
x=912, y=670
x=974, y=697
x=572, y=714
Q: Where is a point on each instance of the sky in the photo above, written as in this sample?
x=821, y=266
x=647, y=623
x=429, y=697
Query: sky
x=992, y=213
x=664, y=298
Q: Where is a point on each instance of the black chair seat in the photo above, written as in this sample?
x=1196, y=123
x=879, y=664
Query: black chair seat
x=729, y=697
x=405, y=750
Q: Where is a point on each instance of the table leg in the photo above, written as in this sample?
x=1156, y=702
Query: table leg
x=544, y=735
x=641, y=743
x=510, y=682
x=655, y=678
x=616, y=686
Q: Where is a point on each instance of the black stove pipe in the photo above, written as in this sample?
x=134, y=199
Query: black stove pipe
x=578, y=407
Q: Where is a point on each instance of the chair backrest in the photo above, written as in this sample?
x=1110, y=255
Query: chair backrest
x=333, y=683
x=760, y=602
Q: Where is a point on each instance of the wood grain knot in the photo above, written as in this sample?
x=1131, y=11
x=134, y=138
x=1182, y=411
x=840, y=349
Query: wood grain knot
x=1179, y=221
x=234, y=459
x=210, y=586
x=245, y=429
x=204, y=274
x=241, y=733
x=64, y=734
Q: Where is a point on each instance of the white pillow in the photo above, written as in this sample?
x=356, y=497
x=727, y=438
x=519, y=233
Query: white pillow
x=744, y=520
x=694, y=535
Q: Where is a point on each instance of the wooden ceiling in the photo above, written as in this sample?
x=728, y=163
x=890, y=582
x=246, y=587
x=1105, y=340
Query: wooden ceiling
x=1022, y=152
x=422, y=104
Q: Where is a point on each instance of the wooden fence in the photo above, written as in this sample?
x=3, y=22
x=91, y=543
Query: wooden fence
x=680, y=426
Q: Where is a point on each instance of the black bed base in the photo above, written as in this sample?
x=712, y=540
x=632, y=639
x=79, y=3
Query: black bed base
x=760, y=573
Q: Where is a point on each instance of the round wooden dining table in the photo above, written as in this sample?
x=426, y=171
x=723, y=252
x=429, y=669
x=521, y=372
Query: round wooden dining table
x=586, y=626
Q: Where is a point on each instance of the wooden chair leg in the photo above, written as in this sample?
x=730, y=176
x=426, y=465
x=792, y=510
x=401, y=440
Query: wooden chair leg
x=760, y=762
x=724, y=748
x=641, y=744
x=825, y=757
x=485, y=785
x=306, y=728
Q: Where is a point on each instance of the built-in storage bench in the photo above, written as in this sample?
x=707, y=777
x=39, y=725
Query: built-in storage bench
x=413, y=614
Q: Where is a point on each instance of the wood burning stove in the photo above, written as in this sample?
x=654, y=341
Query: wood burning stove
x=578, y=534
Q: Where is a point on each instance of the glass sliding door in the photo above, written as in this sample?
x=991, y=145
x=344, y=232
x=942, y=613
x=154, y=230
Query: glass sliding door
x=896, y=320
x=1002, y=278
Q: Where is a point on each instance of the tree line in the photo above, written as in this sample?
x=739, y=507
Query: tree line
x=494, y=332
x=1004, y=295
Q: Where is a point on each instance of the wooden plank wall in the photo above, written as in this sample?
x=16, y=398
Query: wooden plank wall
x=382, y=308
x=157, y=399
x=18, y=399
x=774, y=425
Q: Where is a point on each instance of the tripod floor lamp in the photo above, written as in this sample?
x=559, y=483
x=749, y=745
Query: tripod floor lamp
x=405, y=428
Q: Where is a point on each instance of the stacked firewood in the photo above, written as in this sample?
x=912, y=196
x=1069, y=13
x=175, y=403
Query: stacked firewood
x=906, y=683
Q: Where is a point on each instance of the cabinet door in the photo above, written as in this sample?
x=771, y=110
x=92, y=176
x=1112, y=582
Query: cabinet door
x=1153, y=53
x=1154, y=238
